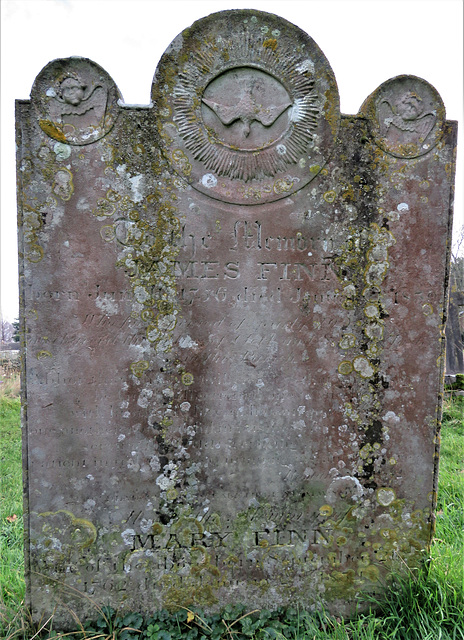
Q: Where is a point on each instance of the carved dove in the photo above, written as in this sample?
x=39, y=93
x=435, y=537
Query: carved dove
x=247, y=110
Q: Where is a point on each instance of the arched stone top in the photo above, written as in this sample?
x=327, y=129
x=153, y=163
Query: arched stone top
x=406, y=116
x=75, y=100
x=247, y=106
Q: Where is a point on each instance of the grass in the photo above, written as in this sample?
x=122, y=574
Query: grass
x=425, y=604
x=11, y=508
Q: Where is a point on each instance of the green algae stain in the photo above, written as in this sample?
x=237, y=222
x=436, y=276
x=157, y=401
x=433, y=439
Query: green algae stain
x=340, y=585
x=80, y=531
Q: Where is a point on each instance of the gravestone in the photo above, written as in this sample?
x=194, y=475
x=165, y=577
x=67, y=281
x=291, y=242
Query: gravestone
x=454, y=344
x=232, y=308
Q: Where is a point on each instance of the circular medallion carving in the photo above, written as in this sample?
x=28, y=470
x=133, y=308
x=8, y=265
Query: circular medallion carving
x=247, y=107
x=75, y=101
x=407, y=116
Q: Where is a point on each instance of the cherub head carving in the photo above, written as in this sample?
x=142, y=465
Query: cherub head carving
x=71, y=90
x=75, y=101
x=407, y=116
x=409, y=106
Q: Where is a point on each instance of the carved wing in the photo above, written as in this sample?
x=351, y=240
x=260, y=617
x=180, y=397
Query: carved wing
x=425, y=125
x=385, y=116
x=268, y=115
x=226, y=114
x=247, y=110
x=55, y=109
x=95, y=100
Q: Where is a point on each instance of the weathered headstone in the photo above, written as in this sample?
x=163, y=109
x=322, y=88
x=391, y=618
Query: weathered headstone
x=454, y=344
x=233, y=344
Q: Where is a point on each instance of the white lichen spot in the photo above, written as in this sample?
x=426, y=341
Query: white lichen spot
x=154, y=463
x=260, y=384
x=137, y=186
x=109, y=307
x=347, y=341
x=89, y=504
x=344, y=488
x=209, y=180
x=385, y=496
x=301, y=410
x=372, y=311
x=185, y=406
x=406, y=518
x=322, y=350
x=146, y=525
x=306, y=65
x=403, y=206
x=281, y=149
x=164, y=482
x=391, y=418
x=374, y=331
x=153, y=334
x=141, y=294
x=362, y=366
x=378, y=253
x=167, y=322
x=186, y=342
x=349, y=290
x=128, y=536
x=299, y=425
x=90, y=477
x=62, y=151
x=126, y=414
x=394, y=216
x=121, y=437
x=55, y=544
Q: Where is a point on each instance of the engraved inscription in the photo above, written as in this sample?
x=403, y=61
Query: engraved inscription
x=229, y=403
x=299, y=273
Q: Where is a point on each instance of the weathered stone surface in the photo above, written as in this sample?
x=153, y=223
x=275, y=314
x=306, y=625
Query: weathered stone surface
x=75, y=101
x=454, y=344
x=250, y=118
x=233, y=344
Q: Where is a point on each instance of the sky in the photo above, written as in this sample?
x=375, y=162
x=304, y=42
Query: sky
x=365, y=41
